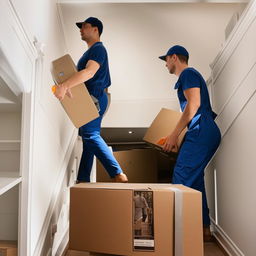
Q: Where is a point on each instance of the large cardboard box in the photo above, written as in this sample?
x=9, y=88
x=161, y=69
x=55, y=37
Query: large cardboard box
x=162, y=126
x=141, y=166
x=8, y=248
x=106, y=218
x=80, y=108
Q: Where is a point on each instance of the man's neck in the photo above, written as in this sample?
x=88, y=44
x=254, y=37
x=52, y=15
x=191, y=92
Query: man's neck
x=92, y=42
x=180, y=68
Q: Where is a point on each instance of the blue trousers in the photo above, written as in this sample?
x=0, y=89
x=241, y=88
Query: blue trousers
x=200, y=144
x=94, y=145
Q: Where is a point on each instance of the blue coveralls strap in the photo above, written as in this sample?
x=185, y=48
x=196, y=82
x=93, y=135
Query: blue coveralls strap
x=201, y=140
x=93, y=144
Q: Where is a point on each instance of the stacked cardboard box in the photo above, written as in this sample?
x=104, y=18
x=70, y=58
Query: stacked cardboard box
x=141, y=166
x=102, y=219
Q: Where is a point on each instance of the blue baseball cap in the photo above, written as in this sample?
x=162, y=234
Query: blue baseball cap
x=176, y=49
x=94, y=22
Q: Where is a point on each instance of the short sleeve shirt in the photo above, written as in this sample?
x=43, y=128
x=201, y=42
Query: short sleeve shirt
x=101, y=79
x=191, y=78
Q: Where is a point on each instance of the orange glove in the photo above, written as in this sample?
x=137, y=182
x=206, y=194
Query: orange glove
x=161, y=141
x=54, y=89
x=68, y=91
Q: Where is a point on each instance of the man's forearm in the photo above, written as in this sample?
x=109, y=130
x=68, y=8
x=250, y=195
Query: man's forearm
x=78, y=78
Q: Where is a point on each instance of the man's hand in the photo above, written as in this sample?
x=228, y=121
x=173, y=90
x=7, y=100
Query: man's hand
x=60, y=91
x=69, y=93
x=171, y=143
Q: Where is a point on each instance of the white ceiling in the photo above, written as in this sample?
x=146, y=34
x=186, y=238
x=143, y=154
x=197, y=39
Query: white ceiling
x=152, y=1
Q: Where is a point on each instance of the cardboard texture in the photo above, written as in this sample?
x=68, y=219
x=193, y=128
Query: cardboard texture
x=140, y=165
x=80, y=108
x=8, y=248
x=78, y=253
x=162, y=126
x=101, y=219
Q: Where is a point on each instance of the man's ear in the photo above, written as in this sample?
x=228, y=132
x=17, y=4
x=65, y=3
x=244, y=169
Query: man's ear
x=96, y=30
x=175, y=57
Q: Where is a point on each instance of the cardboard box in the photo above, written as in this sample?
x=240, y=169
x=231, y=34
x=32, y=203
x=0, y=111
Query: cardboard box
x=102, y=219
x=162, y=126
x=8, y=248
x=140, y=166
x=80, y=108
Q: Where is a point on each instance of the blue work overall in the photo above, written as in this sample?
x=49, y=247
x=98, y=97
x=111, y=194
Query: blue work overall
x=94, y=145
x=201, y=140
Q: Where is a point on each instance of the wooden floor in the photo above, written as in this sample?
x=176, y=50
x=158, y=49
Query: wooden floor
x=210, y=249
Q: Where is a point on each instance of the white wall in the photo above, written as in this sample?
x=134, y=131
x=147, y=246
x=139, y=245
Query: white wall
x=233, y=91
x=135, y=35
x=52, y=129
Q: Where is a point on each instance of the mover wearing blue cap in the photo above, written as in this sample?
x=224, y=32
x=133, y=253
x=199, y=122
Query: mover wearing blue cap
x=93, y=70
x=203, y=135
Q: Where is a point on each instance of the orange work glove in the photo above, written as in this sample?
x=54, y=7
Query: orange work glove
x=161, y=141
x=54, y=88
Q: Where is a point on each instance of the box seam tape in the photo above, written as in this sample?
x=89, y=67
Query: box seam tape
x=178, y=224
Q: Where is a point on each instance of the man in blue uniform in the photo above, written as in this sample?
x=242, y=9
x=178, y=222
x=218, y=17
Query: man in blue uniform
x=203, y=136
x=93, y=69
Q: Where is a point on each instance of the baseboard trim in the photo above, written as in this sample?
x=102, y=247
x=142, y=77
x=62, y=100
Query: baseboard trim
x=225, y=242
x=65, y=251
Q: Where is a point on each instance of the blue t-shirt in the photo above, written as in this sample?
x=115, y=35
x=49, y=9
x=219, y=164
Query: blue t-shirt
x=101, y=79
x=191, y=78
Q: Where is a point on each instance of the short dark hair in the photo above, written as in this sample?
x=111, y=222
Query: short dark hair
x=99, y=29
x=182, y=58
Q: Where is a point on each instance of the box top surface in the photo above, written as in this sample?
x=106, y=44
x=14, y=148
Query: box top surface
x=135, y=186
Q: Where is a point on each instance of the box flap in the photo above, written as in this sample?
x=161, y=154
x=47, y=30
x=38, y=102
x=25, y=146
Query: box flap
x=134, y=186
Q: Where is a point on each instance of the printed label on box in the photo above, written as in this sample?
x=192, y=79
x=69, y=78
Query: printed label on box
x=143, y=220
